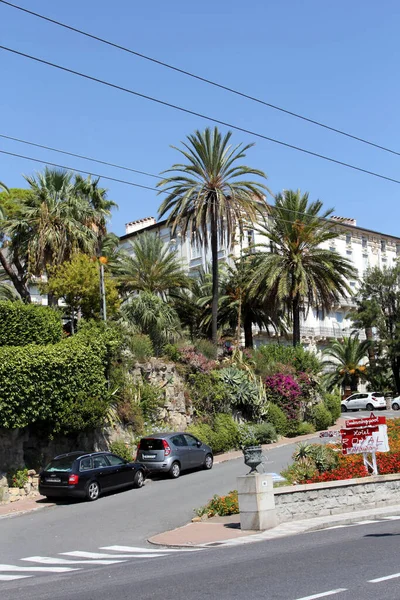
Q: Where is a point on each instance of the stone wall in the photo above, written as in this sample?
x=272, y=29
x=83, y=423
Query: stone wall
x=297, y=502
x=177, y=411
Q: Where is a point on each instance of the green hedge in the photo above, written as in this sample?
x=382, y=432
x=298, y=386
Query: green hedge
x=23, y=324
x=221, y=435
x=62, y=385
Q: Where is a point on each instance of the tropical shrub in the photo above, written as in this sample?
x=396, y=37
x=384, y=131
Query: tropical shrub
x=220, y=505
x=266, y=358
x=172, y=352
x=23, y=324
x=321, y=417
x=245, y=390
x=122, y=449
x=208, y=393
x=151, y=398
x=278, y=419
x=141, y=347
x=284, y=391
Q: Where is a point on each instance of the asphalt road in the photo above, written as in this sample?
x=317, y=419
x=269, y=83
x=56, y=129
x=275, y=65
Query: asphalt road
x=124, y=518
x=355, y=563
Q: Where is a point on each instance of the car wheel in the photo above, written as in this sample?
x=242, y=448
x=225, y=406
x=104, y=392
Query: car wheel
x=175, y=470
x=208, y=462
x=369, y=406
x=138, y=480
x=395, y=406
x=343, y=408
x=92, y=491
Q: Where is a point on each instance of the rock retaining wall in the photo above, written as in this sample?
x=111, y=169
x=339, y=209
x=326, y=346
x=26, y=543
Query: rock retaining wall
x=297, y=502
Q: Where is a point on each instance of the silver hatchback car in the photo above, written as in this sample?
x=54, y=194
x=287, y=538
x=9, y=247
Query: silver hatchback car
x=174, y=452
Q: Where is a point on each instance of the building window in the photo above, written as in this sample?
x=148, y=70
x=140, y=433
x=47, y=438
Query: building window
x=348, y=238
x=349, y=252
x=352, y=284
x=339, y=317
x=383, y=245
x=250, y=238
x=332, y=248
x=364, y=241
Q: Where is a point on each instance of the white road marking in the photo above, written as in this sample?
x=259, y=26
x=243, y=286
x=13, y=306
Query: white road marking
x=335, y=527
x=323, y=594
x=379, y=579
x=147, y=551
x=393, y=518
x=37, y=569
x=82, y=554
x=12, y=577
x=47, y=560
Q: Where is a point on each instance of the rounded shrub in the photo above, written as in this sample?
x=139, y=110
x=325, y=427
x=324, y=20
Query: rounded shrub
x=277, y=418
x=23, y=324
x=265, y=433
x=332, y=403
x=122, y=449
x=321, y=417
x=305, y=428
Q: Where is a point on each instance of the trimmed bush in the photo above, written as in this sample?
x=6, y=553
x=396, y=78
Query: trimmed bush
x=321, y=417
x=277, y=418
x=305, y=428
x=23, y=324
x=265, y=433
x=332, y=403
x=63, y=385
x=221, y=435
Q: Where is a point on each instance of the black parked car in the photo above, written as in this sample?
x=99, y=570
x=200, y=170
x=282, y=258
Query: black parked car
x=83, y=475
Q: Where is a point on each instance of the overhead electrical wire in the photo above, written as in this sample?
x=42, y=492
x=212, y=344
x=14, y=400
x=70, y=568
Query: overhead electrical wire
x=200, y=78
x=197, y=114
x=131, y=183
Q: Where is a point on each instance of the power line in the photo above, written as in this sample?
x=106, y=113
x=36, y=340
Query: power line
x=200, y=78
x=197, y=114
x=96, y=160
x=131, y=183
x=46, y=162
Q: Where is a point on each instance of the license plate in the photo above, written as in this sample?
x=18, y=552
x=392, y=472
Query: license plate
x=53, y=480
x=148, y=456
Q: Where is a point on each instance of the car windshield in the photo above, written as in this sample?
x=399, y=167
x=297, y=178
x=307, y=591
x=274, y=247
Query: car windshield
x=151, y=444
x=61, y=464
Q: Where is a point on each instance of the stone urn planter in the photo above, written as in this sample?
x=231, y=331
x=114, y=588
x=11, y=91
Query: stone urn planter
x=252, y=457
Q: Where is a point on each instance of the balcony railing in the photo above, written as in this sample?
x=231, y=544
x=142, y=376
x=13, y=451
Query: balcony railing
x=329, y=332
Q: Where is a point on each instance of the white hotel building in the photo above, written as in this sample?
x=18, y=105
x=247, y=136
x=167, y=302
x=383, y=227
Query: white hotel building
x=364, y=247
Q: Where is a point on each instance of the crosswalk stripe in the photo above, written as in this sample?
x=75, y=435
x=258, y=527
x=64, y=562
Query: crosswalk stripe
x=12, y=577
x=37, y=569
x=81, y=554
x=47, y=560
x=146, y=550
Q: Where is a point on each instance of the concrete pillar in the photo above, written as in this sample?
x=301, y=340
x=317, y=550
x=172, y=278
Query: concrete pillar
x=256, y=502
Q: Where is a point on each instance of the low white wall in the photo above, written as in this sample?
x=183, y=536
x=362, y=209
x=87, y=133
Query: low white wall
x=297, y=502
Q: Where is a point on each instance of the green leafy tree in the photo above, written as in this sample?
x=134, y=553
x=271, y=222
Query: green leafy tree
x=77, y=282
x=150, y=315
x=210, y=198
x=298, y=272
x=149, y=265
x=379, y=307
x=347, y=358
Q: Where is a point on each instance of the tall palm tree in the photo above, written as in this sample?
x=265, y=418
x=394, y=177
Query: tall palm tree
x=210, y=198
x=347, y=358
x=292, y=267
x=150, y=265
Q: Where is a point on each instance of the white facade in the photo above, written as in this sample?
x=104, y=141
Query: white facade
x=365, y=248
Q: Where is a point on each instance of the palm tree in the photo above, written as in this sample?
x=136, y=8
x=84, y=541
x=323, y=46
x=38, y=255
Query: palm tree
x=149, y=265
x=291, y=267
x=209, y=197
x=150, y=315
x=347, y=358
x=53, y=223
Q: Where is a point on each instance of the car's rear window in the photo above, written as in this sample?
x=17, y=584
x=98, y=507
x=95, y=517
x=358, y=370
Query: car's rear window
x=61, y=464
x=151, y=444
x=374, y=395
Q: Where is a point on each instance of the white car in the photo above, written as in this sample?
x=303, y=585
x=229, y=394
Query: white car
x=364, y=401
x=396, y=403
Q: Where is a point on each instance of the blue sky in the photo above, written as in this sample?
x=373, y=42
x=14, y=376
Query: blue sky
x=335, y=62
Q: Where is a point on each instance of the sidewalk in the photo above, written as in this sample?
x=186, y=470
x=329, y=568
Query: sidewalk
x=225, y=531
x=13, y=509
